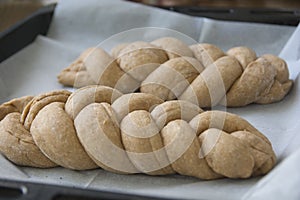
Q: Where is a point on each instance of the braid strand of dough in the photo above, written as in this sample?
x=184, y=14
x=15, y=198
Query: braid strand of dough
x=169, y=69
x=97, y=126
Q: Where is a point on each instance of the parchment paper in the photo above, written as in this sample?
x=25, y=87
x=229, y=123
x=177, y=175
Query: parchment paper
x=80, y=24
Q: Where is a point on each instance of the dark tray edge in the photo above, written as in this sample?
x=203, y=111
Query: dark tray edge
x=25, y=31
x=20, y=190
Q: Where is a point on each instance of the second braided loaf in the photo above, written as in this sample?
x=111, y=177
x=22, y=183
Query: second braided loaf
x=202, y=73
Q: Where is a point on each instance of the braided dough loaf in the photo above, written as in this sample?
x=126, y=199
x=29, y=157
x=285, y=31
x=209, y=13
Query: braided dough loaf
x=97, y=126
x=169, y=69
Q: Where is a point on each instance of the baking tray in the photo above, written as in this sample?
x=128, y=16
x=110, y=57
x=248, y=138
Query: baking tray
x=258, y=15
x=24, y=32
x=16, y=190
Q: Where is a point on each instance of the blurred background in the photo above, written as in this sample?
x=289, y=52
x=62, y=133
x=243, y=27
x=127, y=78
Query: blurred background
x=12, y=11
x=226, y=3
